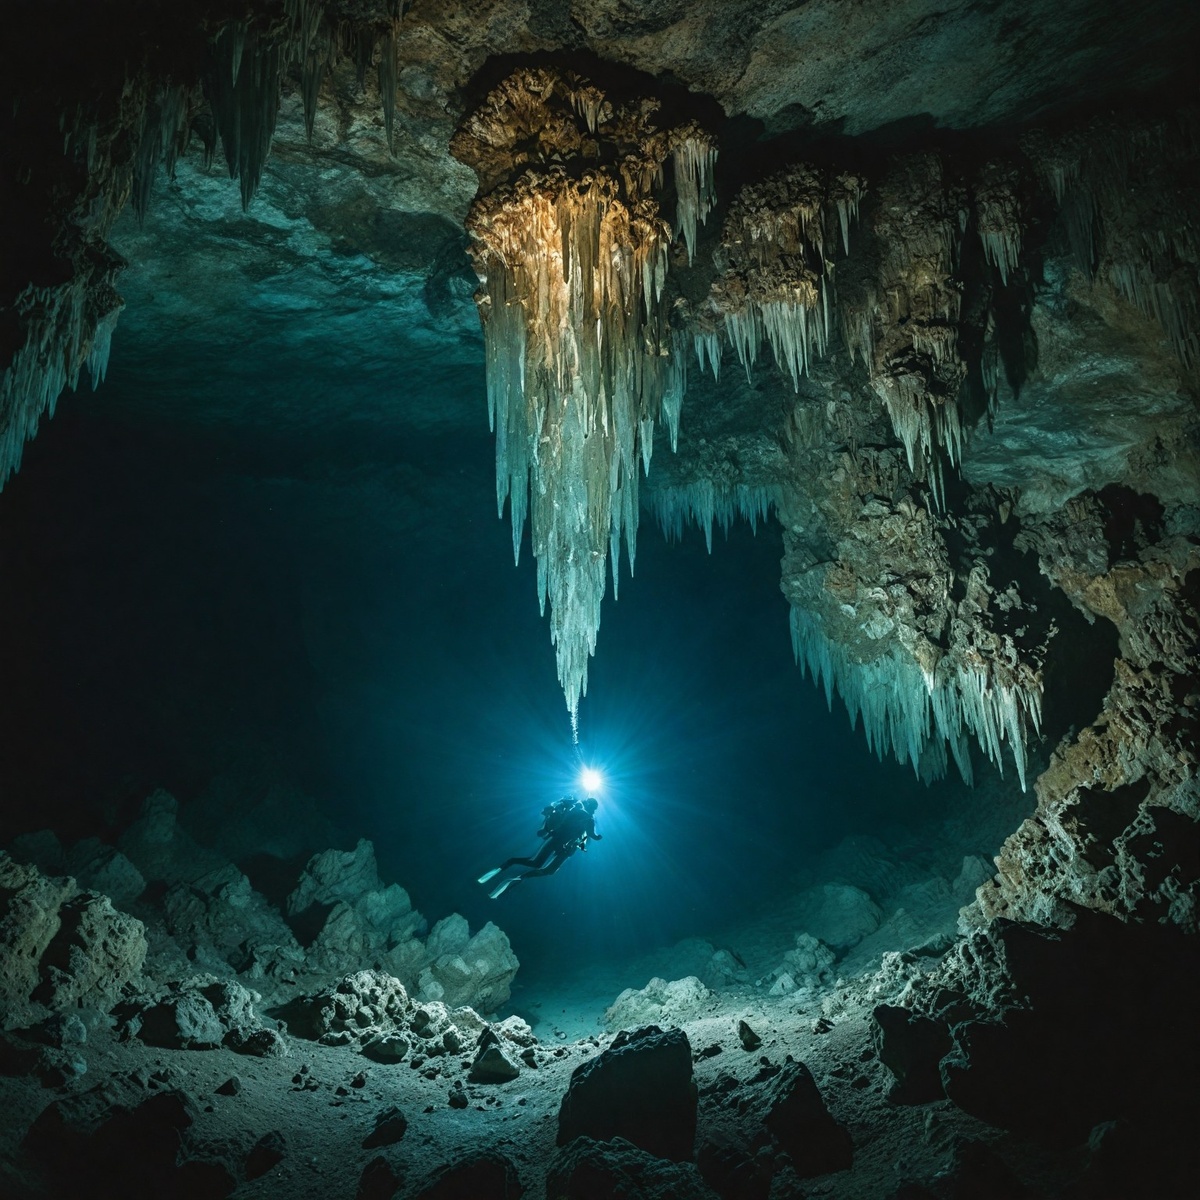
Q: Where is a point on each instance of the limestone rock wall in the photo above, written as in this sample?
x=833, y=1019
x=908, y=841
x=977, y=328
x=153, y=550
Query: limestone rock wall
x=60, y=948
x=1116, y=828
x=193, y=918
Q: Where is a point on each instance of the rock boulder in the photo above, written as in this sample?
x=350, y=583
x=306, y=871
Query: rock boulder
x=796, y=1116
x=640, y=1089
x=592, y=1170
x=658, y=1003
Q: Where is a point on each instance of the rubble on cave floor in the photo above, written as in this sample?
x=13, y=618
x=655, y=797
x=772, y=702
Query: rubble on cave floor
x=845, y=1043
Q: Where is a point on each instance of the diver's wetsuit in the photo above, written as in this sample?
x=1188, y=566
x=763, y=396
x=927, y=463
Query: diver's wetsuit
x=571, y=832
x=566, y=829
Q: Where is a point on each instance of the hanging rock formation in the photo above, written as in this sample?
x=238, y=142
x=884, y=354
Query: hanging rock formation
x=105, y=109
x=572, y=249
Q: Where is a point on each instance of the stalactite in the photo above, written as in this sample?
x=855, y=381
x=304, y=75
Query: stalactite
x=1128, y=203
x=164, y=126
x=904, y=325
x=694, y=156
x=117, y=139
x=65, y=329
x=705, y=503
x=998, y=213
x=777, y=281
x=249, y=59
x=387, y=83
x=243, y=91
x=572, y=251
x=707, y=345
x=915, y=715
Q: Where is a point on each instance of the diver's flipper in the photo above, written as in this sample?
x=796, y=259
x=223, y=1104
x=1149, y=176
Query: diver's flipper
x=489, y=875
x=497, y=892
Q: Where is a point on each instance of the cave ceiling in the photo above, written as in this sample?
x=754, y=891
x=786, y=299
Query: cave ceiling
x=351, y=257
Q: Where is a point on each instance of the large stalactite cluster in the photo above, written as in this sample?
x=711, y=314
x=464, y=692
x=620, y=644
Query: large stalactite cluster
x=572, y=249
x=949, y=610
x=918, y=648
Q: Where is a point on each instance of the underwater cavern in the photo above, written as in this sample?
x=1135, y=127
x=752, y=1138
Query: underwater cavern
x=770, y=428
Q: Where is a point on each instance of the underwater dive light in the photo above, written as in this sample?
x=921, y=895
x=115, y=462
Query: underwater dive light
x=591, y=780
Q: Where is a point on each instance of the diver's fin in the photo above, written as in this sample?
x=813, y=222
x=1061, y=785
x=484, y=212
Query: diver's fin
x=489, y=875
x=497, y=892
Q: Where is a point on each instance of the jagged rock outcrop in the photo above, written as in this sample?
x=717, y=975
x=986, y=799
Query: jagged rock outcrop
x=102, y=868
x=221, y=919
x=913, y=595
x=60, y=948
x=475, y=970
x=640, y=1089
x=1118, y=818
x=808, y=964
x=1019, y=1003
x=205, y=922
x=659, y=1003
x=348, y=919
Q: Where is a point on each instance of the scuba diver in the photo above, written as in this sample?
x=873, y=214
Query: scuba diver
x=567, y=825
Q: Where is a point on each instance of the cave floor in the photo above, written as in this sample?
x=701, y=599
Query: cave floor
x=324, y=1101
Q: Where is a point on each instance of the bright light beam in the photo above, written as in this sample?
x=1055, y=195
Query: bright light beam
x=591, y=780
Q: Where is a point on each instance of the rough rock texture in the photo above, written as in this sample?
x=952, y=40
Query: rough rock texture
x=223, y=919
x=335, y=876
x=936, y=291
x=202, y=1014
x=807, y=965
x=371, y=1012
x=207, y=916
x=357, y=1009
x=797, y=1118
x=640, y=1089
x=95, y=952
x=659, y=1002
x=473, y=970
x=60, y=948
x=494, y=1064
x=1116, y=828
x=592, y=1170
